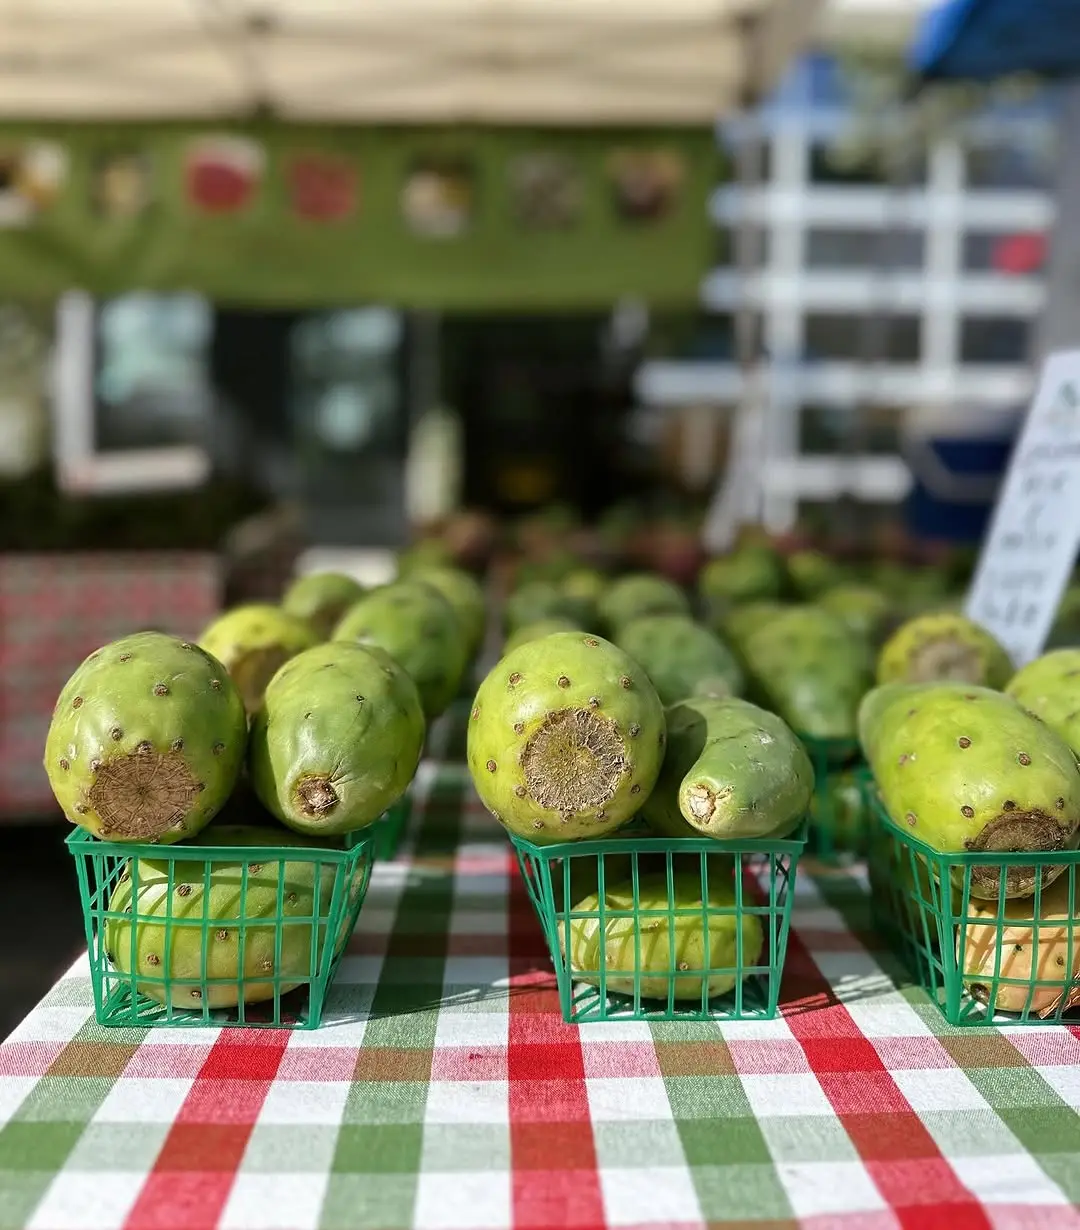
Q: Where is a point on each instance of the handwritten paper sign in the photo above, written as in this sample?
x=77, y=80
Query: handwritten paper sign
x=1031, y=548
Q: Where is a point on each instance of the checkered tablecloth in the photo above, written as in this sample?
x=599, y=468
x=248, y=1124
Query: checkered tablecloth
x=444, y=1090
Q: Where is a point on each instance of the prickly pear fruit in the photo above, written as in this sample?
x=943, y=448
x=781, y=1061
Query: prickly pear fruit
x=664, y=956
x=806, y=665
x=743, y=620
x=752, y=573
x=466, y=595
x=253, y=641
x=865, y=610
x=838, y=811
x=170, y=900
x=427, y=553
x=1047, y=687
x=1016, y=965
x=536, y=600
x=639, y=594
x=732, y=770
x=812, y=573
x=533, y=632
x=337, y=738
x=680, y=657
x=946, y=647
x=584, y=869
x=965, y=768
x=418, y=628
x=566, y=738
x=146, y=741
x=585, y=585
x=321, y=598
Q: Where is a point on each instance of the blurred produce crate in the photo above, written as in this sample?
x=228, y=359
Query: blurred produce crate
x=55, y=609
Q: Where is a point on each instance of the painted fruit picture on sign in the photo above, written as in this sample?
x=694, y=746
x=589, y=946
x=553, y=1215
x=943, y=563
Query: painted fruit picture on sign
x=438, y=196
x=645, y=183
x=121, y=186
x=223, y=173
x=546, y=190
x=322, y=187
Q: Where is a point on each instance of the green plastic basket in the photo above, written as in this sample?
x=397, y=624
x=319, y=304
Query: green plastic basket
x=761, y=875
x=976, y=961
x=390, y=827
x=300, y=950
x=840, y=813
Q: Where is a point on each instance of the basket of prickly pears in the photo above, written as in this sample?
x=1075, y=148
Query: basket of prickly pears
x=973, y=863
x=657, y=847
x=222, y=865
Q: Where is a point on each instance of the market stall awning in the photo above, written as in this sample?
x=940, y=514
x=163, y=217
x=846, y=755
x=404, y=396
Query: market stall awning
x=983, y=39
x=394, y=61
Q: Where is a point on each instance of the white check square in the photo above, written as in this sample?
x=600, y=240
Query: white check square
x=616, y=1098
x=462, y=1201
x=472, y=1029
x=468, y=1102
x=888, y=1016
x=938, y=1089
x=302, y=1102
x=658, y=1195
x=816, y=1188
x=340, y=1027
x=13, y=1091
x=615, y=1031
x=274, y=1202
x=755, y=1031
x=1010, y=1178
x=81, y=1201
x=786, y=1093
x=475, y=971
x=1065, y=1082
x=50, y=1025
x=143, y=1101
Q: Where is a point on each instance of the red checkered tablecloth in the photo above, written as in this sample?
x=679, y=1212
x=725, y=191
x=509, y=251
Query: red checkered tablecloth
x=445, y=1092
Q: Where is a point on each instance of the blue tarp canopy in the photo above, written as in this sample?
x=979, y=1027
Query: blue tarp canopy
x=993, y=38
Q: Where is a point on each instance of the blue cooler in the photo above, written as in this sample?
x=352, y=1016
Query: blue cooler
x=957, y=459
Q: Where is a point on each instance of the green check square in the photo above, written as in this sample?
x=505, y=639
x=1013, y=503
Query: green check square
x=707, y=1097
x=686, y=1031
x=65, y=1099
x=465, y=1146
x=416, y=1029
x=377, y=1102
x=102, y=1144
x=634, y=1143
x=734, y=1193
x=1045, y=1129
x=412, y=974
x=368, y=1202
x=112, y=1034
x=969, y=1133
x=400, y=1000
x=277, y=1148
x=22, y=1192
x=1061, y=1168
x=41, y=1145
x=389, y=1148
x=1004, y=1088
x=807, y=1138
x=723, y=1142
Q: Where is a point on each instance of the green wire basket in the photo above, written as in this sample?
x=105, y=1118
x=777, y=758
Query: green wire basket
x=391, y=825
x=728, y=904
x=286, y=927
x=983, y=962
x=840, y=813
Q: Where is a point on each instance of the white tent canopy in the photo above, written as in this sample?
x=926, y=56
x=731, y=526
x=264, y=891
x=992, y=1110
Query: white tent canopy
x=394, y=61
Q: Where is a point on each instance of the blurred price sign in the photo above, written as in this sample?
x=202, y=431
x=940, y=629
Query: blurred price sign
x=1030, y=550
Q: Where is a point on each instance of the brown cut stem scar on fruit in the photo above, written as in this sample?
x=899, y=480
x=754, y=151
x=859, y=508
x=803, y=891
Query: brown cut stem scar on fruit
x=316, y=797
x=573, y=761
x=944, y=658
x=1015, y=832
x=703, y=802
x=142, y=795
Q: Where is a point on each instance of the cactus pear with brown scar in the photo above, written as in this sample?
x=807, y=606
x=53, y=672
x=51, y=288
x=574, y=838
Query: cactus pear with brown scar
x=943, y=647
x=253, y=641
x=321, y=598
x=1049, y=687
x=566, y=738
x=147, y=740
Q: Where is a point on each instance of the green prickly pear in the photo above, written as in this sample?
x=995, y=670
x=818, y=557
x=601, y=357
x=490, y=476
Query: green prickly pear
x=253, y=641
x=585, y=585
x=321, y=598
x=536, y=600
x=742, y=621
x=566, y=738
x=337, y=738
x=147, y=740
x=659, y=952
x=812, y=573
x=190, y=965
x=1047, y=687
x=418, y=628
x=533, y=632
x=639, y=594
x=732, y=770
x=466, y=595
x=752, y=573
x=943, y=646
x=865, y=610
x=965, y=768
x=681, y=657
